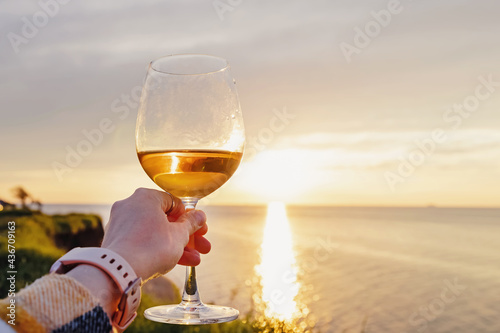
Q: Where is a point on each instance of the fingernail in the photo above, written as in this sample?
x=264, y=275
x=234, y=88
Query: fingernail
x=200, y=217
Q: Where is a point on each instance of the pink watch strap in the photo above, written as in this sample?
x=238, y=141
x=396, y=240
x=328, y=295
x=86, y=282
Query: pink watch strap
x=114, y=266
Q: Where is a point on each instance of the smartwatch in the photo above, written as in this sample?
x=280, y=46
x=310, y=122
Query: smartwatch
x=117, y=269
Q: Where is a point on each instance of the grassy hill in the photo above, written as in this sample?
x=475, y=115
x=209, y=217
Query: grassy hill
x=40, y=239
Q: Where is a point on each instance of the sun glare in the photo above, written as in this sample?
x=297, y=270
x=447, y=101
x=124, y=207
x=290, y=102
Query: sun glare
x=276, y=175
x=277, y=268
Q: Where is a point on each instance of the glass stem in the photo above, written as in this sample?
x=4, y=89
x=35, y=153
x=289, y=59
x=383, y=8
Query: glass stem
x=190, y=296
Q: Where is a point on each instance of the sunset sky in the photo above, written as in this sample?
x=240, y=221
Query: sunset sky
x=345, y=102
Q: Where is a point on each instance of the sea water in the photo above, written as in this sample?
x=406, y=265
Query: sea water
x=384, y=269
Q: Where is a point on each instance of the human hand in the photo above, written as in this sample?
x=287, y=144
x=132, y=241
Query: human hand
x=152, y=243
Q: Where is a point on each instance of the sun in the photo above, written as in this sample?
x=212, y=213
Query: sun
x=294, y=176
x=277, y=175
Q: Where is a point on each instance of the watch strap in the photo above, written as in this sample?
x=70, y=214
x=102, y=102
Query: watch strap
x=117, y=268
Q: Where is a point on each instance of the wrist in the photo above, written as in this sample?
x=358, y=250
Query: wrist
x=99, y=284
x=131, y=259
x=113, y=269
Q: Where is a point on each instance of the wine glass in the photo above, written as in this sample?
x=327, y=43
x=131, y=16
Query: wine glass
x=189, y=140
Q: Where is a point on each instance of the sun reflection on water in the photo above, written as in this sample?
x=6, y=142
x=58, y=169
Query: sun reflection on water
x=277, y=298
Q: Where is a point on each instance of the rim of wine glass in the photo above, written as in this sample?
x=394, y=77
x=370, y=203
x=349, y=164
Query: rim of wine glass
x=189, y=54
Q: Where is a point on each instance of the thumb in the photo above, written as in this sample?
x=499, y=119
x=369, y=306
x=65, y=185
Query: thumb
x=192, y=220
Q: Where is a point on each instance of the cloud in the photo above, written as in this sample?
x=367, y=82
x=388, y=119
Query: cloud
x=365, y=150
x=360, y=116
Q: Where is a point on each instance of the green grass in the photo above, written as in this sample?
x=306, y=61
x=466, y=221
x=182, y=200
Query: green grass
x=35, y=245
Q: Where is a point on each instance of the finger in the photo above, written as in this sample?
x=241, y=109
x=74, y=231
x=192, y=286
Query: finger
x=190, y=221
x=177, y=211
x=166, y=200
x=202, y=244
x=171, y=205
x=202, y=231
x=190, y=257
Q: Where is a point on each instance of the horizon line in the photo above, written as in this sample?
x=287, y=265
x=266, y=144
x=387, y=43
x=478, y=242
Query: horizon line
x=430, y=206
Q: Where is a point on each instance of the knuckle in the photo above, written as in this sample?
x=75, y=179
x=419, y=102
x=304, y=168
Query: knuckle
x=117, y=204
x=140, y=191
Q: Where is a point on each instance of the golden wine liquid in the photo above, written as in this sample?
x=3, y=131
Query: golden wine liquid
x=190, y=173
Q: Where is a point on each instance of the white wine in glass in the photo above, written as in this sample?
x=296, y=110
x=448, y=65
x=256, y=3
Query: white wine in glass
x=190, y=173
x=189, y=140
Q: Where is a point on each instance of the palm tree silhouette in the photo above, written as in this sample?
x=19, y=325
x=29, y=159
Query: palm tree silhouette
x=21, y=194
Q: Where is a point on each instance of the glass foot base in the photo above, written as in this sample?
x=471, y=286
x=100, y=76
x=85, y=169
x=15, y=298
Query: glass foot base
x=191, y=315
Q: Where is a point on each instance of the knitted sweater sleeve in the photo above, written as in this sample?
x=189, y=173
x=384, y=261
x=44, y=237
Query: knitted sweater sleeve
x=55, y=303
